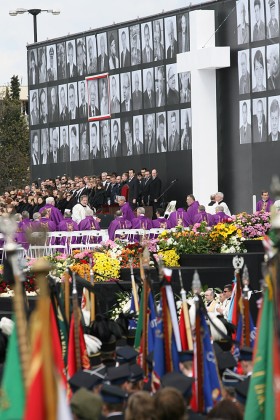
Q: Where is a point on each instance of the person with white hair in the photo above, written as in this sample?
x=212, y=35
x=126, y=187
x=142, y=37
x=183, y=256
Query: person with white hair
x=219, y=200
x=55, y=213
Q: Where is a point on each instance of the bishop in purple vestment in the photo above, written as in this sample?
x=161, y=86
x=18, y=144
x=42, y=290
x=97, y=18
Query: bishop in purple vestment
x=119, y=223
x=55, y=214
x=125, y=208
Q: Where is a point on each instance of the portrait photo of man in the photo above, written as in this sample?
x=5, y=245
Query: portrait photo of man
x=137, y=90
x=138, y=140
x=114, y=62
x=33, y=67
x=160, y=86
x=257, y=20
x=63, y=103
x=91, y=55
x=43, y=106
x=258, y=69
x=245, y=129
x=61, y=60
x=186, y=129
x=124, y=48
x=64, y=150
x=127, y=134
x=102, y=59
x=51, y=63
x=273, y=121
x=81, y=56
x=34, y=114
x=135, y=36
x=161, y=132
x=243, y=30
x=74, y=139
x=72, y=100
x=94, y=152
x=71, y=67
x=54, y=136
x=173, y=131
x=185, y=87
x=147, y=51
x=150, y=137
x=149, y=92
x=35, y=147
x=273, y=69
x=114, y=94
x=243, y=72
x=93, y=98
x=44, y=146
x=171, y=45
x=84, y=147
x=183, y=33
x=116, y=147
x=158, y=40
x=272, y=13
x=103, y=95
x=172, y=85
x=42, y=65
x=83, y=105
x=53, y=104
x=126, y=104
x=259, y=120
x=105, y=139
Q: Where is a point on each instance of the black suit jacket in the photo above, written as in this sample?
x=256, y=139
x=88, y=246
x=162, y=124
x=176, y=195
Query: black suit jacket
x=145, y=187
x=94, y=157
x=125, y=62
x=256, y=135
x=149, y=103
x=175, y=49
x=64, y=116
x=119, y=150
x=74, y=70
x=123, y=108
x=95, y=113
x=106, y=63
x=141, y=149
x=53, y=114
x=155, y=189
x=133, y=189
x=64, y=153
x=137, y=99
x=83, y=113
x=162, y=99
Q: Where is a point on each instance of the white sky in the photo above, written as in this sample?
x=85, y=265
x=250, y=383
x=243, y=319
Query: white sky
x=76, y=16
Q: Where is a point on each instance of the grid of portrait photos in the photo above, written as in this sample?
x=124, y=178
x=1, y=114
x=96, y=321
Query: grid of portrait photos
x=258, y=70
x=148, y=102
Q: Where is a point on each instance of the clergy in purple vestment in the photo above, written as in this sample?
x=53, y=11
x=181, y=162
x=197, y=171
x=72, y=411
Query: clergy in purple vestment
x=125, y=208
x=265, y=203
x=55, y=214
x=220, y=216
x=90, y=223
x=141, y=221
x=160, y=222
x=23, y=225
x=68, y=225
x=202, y=216
x=46, y=223
x=179, y=218
x=119, y=223
x=192, y=209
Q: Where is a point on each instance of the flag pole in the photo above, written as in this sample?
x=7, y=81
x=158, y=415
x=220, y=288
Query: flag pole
x=144, y=261
x=92, y=296
x=246, y=309
x=186, y=312
x=67, y=296
x=134, y=289
x=76, y=316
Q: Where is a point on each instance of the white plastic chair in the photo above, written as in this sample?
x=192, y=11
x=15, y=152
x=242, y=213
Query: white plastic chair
x=122, y=234
x=154, y=232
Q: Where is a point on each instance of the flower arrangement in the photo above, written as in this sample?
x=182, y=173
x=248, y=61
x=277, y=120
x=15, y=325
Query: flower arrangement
x=228, y=237
x=122, y=305
x=253, y=226
x=170, y=258
x=105, y=267
x=131, y=252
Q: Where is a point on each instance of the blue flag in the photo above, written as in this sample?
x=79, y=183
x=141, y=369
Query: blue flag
x=152, y=323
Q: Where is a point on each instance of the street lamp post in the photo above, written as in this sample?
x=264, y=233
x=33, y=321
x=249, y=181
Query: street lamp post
x=34, y=13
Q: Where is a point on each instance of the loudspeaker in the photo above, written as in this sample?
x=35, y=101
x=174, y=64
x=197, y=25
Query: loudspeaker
x=106, y=219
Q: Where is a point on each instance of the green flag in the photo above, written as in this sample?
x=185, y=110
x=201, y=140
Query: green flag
x=260, y=401
x=139, y=328
x=12, y=394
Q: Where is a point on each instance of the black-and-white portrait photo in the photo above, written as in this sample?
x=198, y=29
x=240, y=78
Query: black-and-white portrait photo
x=63, y=102
x=64, y=149
x=257, y=20
x=105, y=139
x=158, y=40
x=35, y=147
x=53, y=104
x=104, y=96
x=244, y=72
x=42, y=65
x=127, y=136
x=258, y=69
x=71, y=66
x=73, y=101
x=259, y=120
x=33, y=67
x=126, y=104
x=171, y=45
x=161, y=132
x=245, y=127
x=114, y=62
x=273, y=118
x=81, y=56
x=43, y=101
x=84, y=146
x=150, y=133
x=186, y=129
x=74, y=142
x=138, y=138
x=44, y=146
x=183, y=33
x=115, y=105
x=147, y=42
x=51, y=63
x=54, y=145
x=61, y=60
x=137, y=89
x=135, y=36
x=116, y=146
x=273, y=70
x=242, y=16
x=34, y=107
x=272, y=18
x=124, y=47
x=174, y=143
x=93, y=104
x=91, y=55
x=172, y=85
x=102, y=59
x=185, y=87
x=160, y=86
x=94, y=141
x=83, y=104
x=149, y=90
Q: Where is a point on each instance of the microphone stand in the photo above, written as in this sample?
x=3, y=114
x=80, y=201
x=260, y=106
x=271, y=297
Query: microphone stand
x=166, y=189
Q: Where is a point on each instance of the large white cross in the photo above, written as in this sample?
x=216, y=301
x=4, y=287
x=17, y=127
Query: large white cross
x=202, y=61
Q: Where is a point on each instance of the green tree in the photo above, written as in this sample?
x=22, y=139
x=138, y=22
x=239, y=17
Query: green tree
x=14, y=139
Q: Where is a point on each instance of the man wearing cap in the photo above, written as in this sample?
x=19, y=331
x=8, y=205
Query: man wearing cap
x=273, y=26
x=51, y=72
x=113, y=60
x=113, y=401
x=34, y=115
x=161, y=140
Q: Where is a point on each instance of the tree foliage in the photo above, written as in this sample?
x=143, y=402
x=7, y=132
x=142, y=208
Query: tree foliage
x=14, y=139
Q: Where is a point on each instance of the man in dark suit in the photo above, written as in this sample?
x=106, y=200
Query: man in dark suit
x=133, y=188
x=51, y=72
x=127, y=147
x=105, y=148
x=172, y=94
x=147, y=53
x=138, y=148
x=149, y=96
x=34, y=115
x=145, y=188
x=158, y=47
x=155, y=189
x=93, y=110
x=43, y=107
x=94, y=144
x=161, y=139
x=186, y=133
x=71, y=68
x=102, y=59
x=116, y=145
x=150, y=142
x=53, y=156
x=160, y=94
x=35, y=149
x=274, y=121
x=115, y=103
x=172, y=49
x=126, y=104
x=183, y=39
x=64, y=151
x=33, y=70
x=245, y=129
x=259, y=124
x=73, y=109
x=64, y=114
x=81, y=62
x=174, y=141
x=137, y=94
x=83, y=108
x=125, y=54
x=259, y=27
x=53, y=114
x=135, y=52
